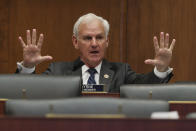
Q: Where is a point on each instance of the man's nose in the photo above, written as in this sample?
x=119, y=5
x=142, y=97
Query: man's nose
x=94, y=42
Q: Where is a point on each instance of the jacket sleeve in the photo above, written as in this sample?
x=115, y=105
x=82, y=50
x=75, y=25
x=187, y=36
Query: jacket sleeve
x=149, y=78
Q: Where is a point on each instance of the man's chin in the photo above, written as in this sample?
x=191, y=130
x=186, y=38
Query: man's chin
x=94, y=62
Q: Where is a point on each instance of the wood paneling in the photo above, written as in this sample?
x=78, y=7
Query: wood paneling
x=55, y=19
x=133, y=24
x=147, y=18
x=4, y=67
x=4, y=50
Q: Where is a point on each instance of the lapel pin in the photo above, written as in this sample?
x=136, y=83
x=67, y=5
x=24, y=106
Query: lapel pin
x=106, y=76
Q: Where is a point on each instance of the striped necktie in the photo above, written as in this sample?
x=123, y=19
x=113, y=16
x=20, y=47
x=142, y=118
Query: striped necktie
x=91, y=79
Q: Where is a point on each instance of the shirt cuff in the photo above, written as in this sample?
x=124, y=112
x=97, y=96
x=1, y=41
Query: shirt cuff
x=24, y=70
x=162, y=75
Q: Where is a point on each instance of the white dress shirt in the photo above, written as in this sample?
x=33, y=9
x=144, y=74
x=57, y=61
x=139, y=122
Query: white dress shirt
x=86, y=74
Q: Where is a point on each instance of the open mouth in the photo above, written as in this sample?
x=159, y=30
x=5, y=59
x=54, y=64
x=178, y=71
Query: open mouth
x=94, y=52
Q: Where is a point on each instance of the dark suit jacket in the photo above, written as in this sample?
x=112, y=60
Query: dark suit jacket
x=119, y=74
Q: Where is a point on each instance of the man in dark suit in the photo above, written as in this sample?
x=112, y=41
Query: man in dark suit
x=90, y=37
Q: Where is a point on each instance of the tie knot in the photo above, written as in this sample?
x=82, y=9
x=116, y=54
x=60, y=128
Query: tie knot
x=92, y=71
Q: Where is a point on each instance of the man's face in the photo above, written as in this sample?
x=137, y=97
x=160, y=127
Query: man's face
x=91, y=42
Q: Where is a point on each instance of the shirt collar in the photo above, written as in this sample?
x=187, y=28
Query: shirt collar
x=85, y=68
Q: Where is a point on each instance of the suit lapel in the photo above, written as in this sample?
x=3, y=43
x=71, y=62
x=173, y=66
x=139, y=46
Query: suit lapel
x=75, y=68
x=77, y=72
x=106, y=74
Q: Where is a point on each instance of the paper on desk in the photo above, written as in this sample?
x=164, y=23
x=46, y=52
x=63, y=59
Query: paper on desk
x=165, y=115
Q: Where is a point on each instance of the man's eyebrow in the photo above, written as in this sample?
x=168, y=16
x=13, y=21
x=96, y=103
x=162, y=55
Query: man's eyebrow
x=86, y=36
x=101, y=34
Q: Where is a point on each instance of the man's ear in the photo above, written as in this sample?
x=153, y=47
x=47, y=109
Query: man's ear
x=75, y=42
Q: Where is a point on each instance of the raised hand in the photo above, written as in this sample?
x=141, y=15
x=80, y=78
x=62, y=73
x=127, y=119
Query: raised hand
x=32, y=51
x=163, y=52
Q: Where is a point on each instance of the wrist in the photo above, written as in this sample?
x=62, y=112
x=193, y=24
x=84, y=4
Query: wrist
x=24, y=70
x=162, y=69
x=162, y=75
x=27, y=65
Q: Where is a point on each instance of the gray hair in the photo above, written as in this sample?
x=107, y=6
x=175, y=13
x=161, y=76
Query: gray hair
x=89, y=17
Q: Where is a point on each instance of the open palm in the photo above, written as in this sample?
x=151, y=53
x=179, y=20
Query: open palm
x=32, y=51
x=163, y=52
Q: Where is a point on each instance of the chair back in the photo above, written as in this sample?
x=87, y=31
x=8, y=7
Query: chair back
x=39, y=86
x=191, y=115
x=88, y=105
x=168, y=92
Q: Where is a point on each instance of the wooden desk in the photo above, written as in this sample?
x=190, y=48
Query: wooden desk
x=183, y=107
x=80, y=124
x=2, y=107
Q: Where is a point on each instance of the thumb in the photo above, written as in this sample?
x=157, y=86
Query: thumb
x=45, y=58
x=151, y=62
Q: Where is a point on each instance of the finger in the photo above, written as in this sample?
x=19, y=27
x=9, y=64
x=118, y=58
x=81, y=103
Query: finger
x=21, y=42
x=28, y=37
x=34, y=37
x=166, y=40
x=162, y=40
x=40, y=41
x=156, y=44
x=45, y=58
x=152, y=62
x=172, y=44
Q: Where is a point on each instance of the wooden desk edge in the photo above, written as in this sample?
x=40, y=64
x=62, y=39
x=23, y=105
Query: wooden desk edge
x=182, y=102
